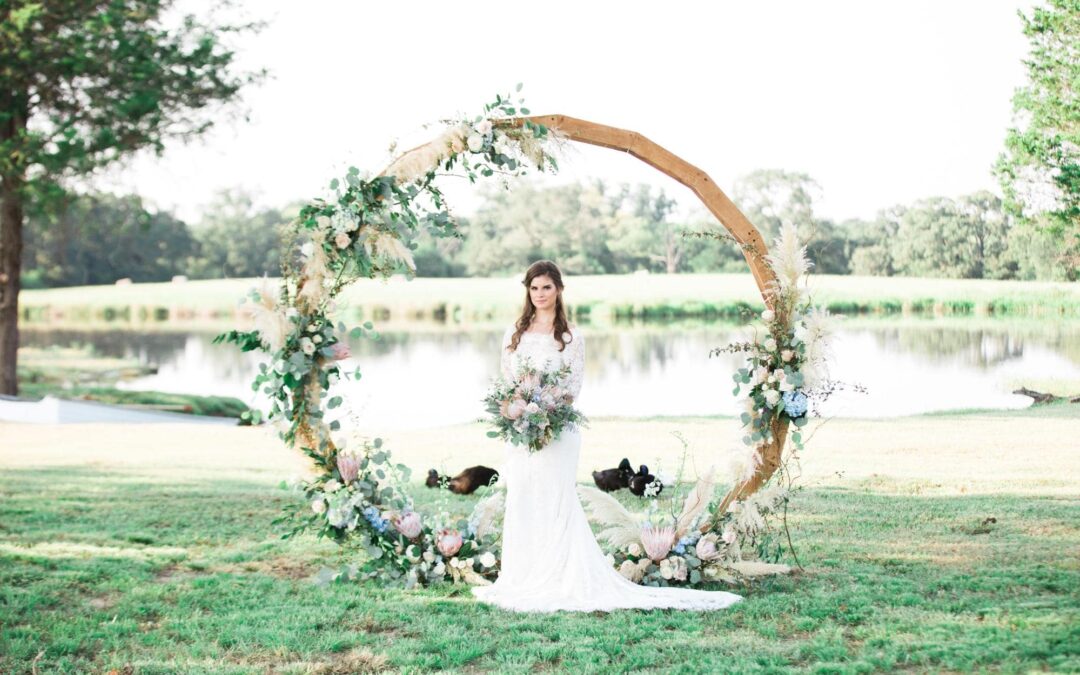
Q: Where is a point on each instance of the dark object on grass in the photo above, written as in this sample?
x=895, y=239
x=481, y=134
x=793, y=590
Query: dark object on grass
x=640, y=480
x=1039, y=397
x=610, y=480
x=466, y=482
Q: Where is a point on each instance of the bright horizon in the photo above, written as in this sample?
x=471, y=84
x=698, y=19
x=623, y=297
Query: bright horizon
x=879, y=104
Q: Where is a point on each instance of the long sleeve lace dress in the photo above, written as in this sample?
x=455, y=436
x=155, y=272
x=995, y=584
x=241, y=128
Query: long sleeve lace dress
x=551, y=560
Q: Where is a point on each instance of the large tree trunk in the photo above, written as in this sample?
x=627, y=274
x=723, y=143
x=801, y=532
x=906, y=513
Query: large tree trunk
x=12, y=194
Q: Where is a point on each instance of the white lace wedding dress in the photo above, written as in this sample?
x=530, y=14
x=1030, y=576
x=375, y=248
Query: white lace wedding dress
x=550, y=558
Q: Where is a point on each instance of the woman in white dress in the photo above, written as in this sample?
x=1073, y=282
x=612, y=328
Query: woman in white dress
x=551, y=560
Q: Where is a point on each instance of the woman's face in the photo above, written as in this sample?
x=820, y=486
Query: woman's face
x=542, y=292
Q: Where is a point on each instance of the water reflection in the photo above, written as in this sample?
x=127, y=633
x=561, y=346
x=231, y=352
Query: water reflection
x=433, y=375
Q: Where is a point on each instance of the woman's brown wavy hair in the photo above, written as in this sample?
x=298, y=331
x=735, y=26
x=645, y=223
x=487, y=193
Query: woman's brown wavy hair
x=562, y=326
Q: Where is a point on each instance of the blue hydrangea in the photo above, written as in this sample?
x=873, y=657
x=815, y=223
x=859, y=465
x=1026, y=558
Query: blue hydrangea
x=371, y=514
x=680, y=546
x=795, y=403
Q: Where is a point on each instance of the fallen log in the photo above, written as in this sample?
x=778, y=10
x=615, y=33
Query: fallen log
x=1040, y=397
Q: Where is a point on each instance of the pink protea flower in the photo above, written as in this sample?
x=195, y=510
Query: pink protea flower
x=408, y=524
x=348, y=465
x=657, y=541
x=340, y=351
x=449, y=542
x=530, y=382
x=515, y=409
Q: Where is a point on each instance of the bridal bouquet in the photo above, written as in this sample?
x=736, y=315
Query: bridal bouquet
x=533, y=408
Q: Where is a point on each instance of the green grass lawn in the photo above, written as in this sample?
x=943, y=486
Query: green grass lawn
x=109, y=567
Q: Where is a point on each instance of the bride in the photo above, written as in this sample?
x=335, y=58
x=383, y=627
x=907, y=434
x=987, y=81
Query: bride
x=550, y=559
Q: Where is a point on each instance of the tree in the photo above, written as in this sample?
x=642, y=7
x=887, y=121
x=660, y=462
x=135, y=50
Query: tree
x=870, y=241
x=646, y=237
x=771, y=197
x=83, y=84
x=570, y=224
x=941, y=237
x=235, y=240
x=1039, y=170
x=97, y=239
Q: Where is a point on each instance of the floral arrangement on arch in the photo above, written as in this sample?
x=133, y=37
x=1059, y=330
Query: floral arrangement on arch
x=704, y=537
x=367, y=230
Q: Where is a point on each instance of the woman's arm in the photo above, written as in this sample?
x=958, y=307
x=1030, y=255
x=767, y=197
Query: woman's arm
x=577, y=362
x=505, y=362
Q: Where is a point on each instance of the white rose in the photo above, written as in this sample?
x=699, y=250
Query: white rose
x=634, y=549
x=488, y=559
x=439, y=569
x=332, y=378
x=631, y=571
x=772, y=397
x=475, y=142
x=429, y=556
x=666, y=569
x=483, y=127
x=504, y=147
x=787, y=355
x=769, y=344
x=768, y=315
x=316, y=339
x=319, y=505
x=307, y=346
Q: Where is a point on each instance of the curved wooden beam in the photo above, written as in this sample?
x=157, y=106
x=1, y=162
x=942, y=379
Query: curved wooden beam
x=741, y=229
x=669, y=163
x=751, y=243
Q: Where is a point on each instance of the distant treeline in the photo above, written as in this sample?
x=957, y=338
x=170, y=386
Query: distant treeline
x=588, y=228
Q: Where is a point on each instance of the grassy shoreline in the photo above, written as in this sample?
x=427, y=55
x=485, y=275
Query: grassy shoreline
x=151, y=549
x=600, y=298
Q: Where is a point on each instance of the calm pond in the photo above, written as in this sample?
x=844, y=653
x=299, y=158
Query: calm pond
x=433, y=375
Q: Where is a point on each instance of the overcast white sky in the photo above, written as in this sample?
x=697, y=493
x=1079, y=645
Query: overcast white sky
x=880, y=102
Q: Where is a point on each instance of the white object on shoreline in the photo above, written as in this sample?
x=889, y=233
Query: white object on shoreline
x=52, y=410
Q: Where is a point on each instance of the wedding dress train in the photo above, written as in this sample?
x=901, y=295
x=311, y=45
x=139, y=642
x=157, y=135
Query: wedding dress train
x=551, y=560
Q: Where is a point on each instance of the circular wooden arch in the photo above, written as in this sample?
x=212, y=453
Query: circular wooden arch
x=741, y=229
